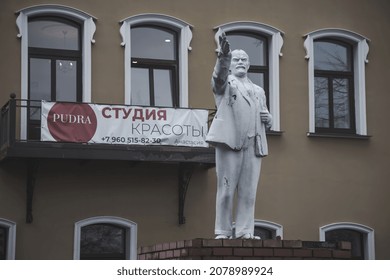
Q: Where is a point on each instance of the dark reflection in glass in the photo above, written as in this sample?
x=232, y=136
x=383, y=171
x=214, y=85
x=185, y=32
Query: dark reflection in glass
x=331, y=56
x=66, y=80
x=355, y=237
x=140, y=94
x=341, y=103
x=264, y=233
x=53, y=35
x=163, y=87
x=102, y=241
x=321, y=92
x=152, y=43
x=254, y=46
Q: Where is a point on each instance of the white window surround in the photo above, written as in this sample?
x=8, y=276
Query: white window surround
x=369, y=240
x=11, y=240
x=88, y=31
x=131, y=233
x=185, y=37
x=270, y=226
x=360, y=50
x=275, y=44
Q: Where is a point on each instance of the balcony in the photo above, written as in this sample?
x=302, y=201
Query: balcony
x=29, y=148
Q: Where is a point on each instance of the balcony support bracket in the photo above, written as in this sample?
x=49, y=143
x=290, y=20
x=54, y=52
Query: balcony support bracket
x=185, y=172
x=32, y=167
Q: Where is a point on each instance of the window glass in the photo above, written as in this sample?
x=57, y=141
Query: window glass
x=152, y=43
x=355, y=237
x=66, y=80
x=3, y=243
x=331, y=56
x=140, y=91
x=341, y=103
x=264, y=233
x=40, y=84
x=257, y=78
x=102, y=241
x=163, y=87
x=321, y=101
x=52, y=34
x=254, y=46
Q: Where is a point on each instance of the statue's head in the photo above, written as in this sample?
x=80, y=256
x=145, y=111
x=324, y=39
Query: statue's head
x=240, y=63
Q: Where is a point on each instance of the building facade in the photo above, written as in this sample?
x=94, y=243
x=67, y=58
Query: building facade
x=322, y=65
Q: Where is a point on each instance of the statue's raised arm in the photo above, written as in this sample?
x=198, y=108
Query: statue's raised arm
x=221, y=69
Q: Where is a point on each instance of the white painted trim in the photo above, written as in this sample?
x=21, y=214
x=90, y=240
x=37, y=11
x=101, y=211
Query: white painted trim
x=271, y=226
x=185, y=37
x=11, y=240
x=274, y=47
x=361, y=49
x=131, y=234
x=88, y=31
x=369, y=242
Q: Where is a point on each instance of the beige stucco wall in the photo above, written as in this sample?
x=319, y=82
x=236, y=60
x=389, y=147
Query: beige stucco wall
x=306, y=183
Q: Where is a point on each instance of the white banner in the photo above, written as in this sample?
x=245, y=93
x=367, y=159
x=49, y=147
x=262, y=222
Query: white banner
x=120, y=124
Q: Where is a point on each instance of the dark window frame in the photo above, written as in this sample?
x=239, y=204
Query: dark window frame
x=331, y=75
x=356, y=254
x=158, y=64
x=3, y=252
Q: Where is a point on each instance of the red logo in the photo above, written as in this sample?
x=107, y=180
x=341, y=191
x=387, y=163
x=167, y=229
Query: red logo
x=70, y=122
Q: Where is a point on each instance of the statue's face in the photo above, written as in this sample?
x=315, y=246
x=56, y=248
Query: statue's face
x=240, y=63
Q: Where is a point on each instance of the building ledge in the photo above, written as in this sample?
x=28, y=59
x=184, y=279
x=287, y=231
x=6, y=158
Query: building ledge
x=340, y=136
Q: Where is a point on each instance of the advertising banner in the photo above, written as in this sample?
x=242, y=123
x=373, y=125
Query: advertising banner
x=121, y=124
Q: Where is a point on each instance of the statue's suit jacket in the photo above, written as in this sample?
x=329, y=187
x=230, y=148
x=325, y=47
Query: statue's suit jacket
x=231, y=122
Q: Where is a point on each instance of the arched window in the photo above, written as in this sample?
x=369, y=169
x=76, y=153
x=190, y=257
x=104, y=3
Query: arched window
x=55, y=58
x=263, y=43
x=154, y=66
x=156, y=60
x=55, y=65
x=105, y=237
x=268, y=230
x=360, y=236
x=7, y=239
x=337, y=96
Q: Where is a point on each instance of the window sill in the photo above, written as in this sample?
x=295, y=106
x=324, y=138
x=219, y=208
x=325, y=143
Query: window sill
x=274, y=132
x=342, y=136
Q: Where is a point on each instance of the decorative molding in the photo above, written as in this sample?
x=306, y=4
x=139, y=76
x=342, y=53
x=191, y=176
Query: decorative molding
x=11, y=240
x=270, y=225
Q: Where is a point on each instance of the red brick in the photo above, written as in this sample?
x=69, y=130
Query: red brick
x=162, y=255
x=158, y=247
x=169, y=254
x=165, y=246
x=283, y=252
x=342, y=254
x=212, y=243
x=243, y=252
x=172, y=245
x=222, y=251
x=272, y=243
x=306, y=253
x=200, y=252
x=194, y=243
x=177, y=253
x=263, y=252
x=232, y=242
x=292, y=243
x=180, y=244
x=344, y=245
x=322, y=253
x=252, y=243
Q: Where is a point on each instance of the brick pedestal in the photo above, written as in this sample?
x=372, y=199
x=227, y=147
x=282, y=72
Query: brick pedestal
x=237, y=249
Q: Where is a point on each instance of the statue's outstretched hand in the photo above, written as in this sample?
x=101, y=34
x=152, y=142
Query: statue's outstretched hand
x=224, y=44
